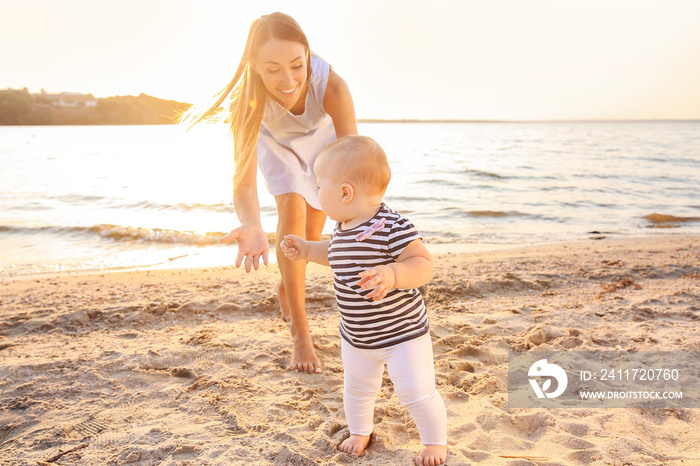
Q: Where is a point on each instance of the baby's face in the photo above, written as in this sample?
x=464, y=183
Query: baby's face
x=330, y=192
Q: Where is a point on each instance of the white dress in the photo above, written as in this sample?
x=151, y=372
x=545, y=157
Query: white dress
x=289, y=144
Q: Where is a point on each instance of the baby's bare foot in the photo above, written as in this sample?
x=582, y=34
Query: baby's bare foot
x=432, y=455
x=354, y=445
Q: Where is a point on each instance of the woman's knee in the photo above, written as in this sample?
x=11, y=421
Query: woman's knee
x=290, y=203
x=291, y=213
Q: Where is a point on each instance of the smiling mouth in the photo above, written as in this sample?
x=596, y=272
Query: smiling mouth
x=289, y=91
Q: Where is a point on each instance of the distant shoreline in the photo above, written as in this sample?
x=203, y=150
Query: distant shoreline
x=18, y=107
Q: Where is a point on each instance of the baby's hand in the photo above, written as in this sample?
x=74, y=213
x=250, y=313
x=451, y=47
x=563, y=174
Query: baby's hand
x=295, y=248
x=382, y=278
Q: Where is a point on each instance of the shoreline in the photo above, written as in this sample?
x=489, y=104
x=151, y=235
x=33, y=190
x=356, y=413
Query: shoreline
x=165, y=366
x=436, y=248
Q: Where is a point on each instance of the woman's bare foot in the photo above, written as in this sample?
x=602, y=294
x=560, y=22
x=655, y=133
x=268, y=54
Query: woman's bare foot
x=432, y=455
x=284, y=303
x=305, y=358
x=354, y=445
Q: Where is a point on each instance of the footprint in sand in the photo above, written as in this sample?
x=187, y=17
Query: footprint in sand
x=145, y=382
x=89, y=427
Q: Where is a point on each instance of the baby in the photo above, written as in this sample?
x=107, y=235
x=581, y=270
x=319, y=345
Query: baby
x=378, y=261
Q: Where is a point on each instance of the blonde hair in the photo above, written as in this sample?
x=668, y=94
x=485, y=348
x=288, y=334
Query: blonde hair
x=359, y=160
x=248, y=93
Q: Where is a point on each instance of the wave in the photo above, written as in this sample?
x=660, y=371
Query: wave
x=453, y=212
x=120, y=233
x=668, y=221
x=495, y=214
x=124, y=234
x=499, y=214
x=116, y=203
x=180, y=207
x=441, y=182
x=484, y=174
x=414, y=199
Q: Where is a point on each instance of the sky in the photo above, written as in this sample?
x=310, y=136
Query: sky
x=402, y=59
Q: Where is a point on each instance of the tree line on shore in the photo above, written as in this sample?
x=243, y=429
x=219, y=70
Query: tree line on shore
x=19, y=107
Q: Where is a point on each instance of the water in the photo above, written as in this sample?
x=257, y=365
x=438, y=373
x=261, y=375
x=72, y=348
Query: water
x=107, y=197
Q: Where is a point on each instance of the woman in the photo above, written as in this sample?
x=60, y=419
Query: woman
x=287, y=104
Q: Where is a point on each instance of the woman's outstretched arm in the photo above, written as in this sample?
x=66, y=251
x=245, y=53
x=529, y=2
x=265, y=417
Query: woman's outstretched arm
x=251, y=239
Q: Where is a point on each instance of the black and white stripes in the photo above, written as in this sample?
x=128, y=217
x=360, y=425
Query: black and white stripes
x=401, y=316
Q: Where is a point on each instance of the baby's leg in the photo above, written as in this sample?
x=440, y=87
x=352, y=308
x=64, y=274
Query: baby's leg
x=412, y=372
x=362, y=379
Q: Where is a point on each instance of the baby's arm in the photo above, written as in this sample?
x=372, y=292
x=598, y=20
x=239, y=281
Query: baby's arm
x=296, y=248
x=412, y=269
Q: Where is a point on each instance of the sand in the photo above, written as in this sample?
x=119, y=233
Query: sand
x=189, y=367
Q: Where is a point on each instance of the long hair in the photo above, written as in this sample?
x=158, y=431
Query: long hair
x=248, y=93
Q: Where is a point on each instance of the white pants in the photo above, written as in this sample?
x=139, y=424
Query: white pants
x=411, y=370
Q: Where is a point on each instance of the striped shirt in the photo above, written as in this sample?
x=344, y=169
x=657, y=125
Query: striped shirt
x=401, y=315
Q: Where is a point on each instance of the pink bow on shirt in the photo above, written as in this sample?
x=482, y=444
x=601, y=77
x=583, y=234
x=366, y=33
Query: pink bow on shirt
x=370, y=230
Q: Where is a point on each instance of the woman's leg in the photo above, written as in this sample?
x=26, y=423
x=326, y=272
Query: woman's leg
x=315, y=221
x=292, y=219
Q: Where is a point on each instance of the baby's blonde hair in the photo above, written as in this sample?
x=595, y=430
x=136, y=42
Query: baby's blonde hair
x=361, y=161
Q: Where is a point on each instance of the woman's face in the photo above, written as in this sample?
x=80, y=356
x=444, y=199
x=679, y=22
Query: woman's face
x=282, y=66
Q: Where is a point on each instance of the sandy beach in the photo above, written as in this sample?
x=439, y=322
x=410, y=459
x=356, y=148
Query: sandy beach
x=189, y=367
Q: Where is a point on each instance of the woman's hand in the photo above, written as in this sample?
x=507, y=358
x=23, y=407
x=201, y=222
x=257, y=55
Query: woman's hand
x=252, y=244
x=295, y=248
x=381, y=278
